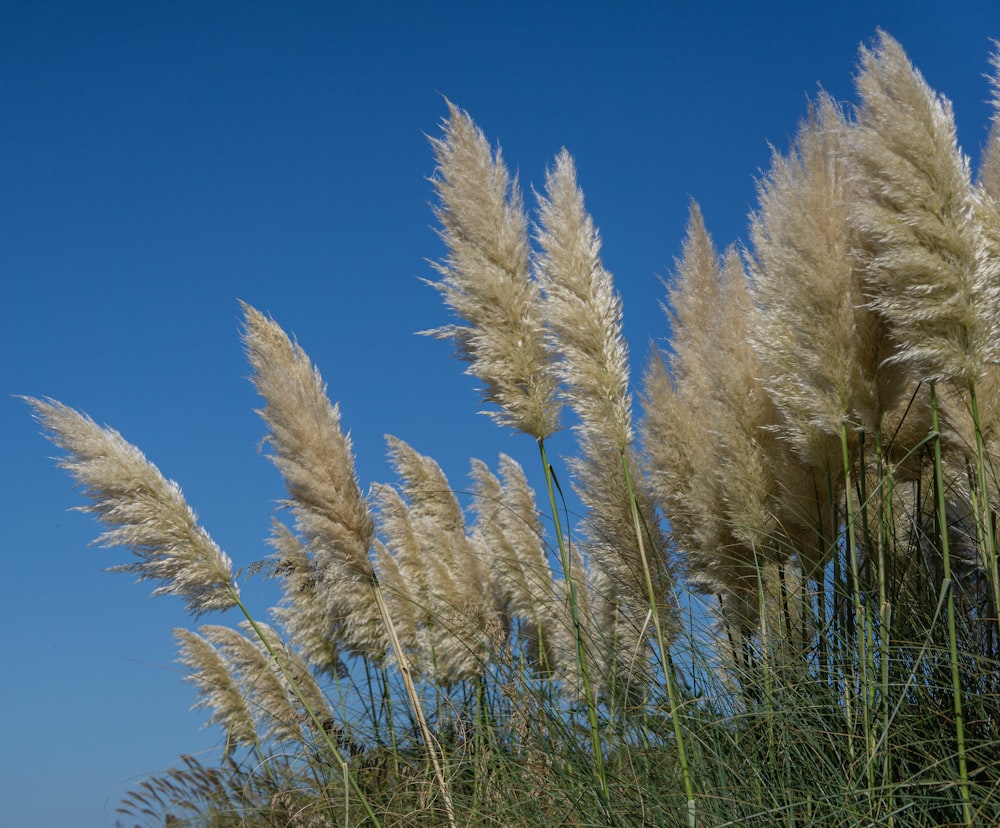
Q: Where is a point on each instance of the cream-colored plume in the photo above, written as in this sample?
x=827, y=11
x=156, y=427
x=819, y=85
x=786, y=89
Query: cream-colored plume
x=426, y=533
x=583, y=312
x=584, y=315
x=510, y=534
x=486, y=280
x=276, y=717
x=218, y=689
x=142, y=510
x=915, y=211
x=814, y=330
x=310, y=449
x=679, y=409
x=334, y=522
x=989, y=165
x=707, y=425
x=305, y=614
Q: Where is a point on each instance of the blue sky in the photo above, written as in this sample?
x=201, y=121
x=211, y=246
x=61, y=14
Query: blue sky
x=160, y=161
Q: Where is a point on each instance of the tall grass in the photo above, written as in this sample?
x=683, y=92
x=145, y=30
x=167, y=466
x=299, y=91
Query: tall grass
x=780, y=604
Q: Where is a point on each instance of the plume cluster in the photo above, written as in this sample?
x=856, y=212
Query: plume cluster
x=568, y=339
x=791, y=390
x=796, y=407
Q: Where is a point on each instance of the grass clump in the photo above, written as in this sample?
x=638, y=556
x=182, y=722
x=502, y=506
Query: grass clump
x=780, y=606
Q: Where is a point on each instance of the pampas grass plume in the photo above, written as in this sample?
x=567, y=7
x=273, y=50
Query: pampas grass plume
x=310, y=449
x=218, y=689
x=486, y=280
x=914, y=210
x=583, y=312
x=142, y=510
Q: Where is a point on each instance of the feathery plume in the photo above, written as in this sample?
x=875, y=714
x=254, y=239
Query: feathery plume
x=404, y=609
x=745, y=411
x=305, y=613
x=218, y=689
x=401, y=539
x=333, y=520
x=425, y=486
x=290, y=668
x=486, y=280
x=680, y=456
x=914, y=209
x=811, y=333
x=583, y=312
x=989, y=164
x=261, y=683
x=678, y=410
x=309, y=449
x=459, y=592
x=522, y=523
x=707, y=423
x=824, y=349
x=142, y=510
x=584, y=315
x=510, y=534
x=411, y=574
x=434, y=510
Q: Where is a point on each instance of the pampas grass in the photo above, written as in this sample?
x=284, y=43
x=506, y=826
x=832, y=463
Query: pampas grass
x=486, y=280
x=916, y=214
x=142, y=510
x=779, y=605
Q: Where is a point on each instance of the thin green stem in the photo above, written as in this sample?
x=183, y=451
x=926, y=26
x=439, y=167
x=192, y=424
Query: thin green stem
x=672, y=684
x=956, y=682
x=581, y=655
x=345, y=768
x=984, y=517
x=883, y=513
x=862, y=628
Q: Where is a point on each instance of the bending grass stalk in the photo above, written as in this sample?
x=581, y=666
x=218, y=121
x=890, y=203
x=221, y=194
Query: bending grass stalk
x=411, y=691
x=390, y=714
x=334, y=749
x=668, y=664
x=956, y=683
x=767, y=665
x=874, y=672
x=581, y=655
x=862, y=627
x=883, y=516
x=984, y=513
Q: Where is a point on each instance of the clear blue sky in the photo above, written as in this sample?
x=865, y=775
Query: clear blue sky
x=158, y=161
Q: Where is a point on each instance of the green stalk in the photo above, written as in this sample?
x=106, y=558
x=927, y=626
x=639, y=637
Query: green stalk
x=390, y=714
x=403, y=663
x=984, y=516
x=956, y=683
x=883, y=502
x=768, y=664
x=334, y=749
x=581, y=656
x=672, y=688
x=844, y=673
x=862, y=631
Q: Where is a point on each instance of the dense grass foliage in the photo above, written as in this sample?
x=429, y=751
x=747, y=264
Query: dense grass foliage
x=780, y=603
